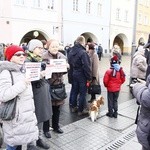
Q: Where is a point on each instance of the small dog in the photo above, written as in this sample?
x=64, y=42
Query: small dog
x=95, y=108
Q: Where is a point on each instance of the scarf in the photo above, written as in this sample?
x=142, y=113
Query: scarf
x=34, y=58
x=115, y=67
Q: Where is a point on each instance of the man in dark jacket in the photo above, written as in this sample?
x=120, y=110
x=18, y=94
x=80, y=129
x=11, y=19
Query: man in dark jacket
x=79, y=62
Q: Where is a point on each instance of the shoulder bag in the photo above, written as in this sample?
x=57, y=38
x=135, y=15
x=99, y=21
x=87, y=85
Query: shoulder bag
x=94, y=88
x=8, y=109
x=58, y=92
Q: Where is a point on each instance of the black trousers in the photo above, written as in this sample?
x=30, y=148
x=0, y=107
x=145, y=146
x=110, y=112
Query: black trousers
x=19, y=147
x=46, y=126
x=55, y=120
x=55, y=117
x=112, y=101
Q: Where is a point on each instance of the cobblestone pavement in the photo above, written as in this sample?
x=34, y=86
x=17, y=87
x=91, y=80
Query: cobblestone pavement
x=104, y=134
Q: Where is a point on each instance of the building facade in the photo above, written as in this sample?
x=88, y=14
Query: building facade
x=106, y=22
x=143, y=21
x=23, y=20
x=121, y=24
x=89, y=18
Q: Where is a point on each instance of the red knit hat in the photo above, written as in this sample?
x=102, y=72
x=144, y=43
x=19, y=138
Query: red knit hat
x=114, y=59
x=11, y=50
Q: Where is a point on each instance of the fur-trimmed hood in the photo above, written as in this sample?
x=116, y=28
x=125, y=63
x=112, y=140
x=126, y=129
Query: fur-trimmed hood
x=6, y=65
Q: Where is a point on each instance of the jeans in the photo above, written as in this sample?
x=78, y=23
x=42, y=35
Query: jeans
x=79, y=89
x=11, y=147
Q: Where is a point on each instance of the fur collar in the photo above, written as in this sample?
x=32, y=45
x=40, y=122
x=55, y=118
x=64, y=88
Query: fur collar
x=6, y=65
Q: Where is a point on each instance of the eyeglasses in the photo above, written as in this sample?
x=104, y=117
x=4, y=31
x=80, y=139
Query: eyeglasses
x=19, y=54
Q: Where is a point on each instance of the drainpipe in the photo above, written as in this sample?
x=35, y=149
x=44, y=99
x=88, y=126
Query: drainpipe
x=62, y=28
x=109, y=27
x=134, y=30
x=134, y=34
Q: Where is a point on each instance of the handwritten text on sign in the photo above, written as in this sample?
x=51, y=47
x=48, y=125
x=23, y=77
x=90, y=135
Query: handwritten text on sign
x=33, y=70
x=56, y=66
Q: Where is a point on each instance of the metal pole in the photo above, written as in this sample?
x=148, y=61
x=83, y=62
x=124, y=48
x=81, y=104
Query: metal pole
x=134, y=29
x=134, y=34
x=62, y=27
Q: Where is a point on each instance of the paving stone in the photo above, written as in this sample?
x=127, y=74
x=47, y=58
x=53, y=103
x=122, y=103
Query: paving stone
x=119, y=124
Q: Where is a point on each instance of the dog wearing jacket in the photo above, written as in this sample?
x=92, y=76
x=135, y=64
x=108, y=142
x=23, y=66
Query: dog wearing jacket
x=95, y=108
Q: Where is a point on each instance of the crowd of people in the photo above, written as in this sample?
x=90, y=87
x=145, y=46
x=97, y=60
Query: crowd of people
x=36, y=111
x=34, y=106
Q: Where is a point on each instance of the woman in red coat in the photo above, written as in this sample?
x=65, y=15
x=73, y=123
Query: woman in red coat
x=113, y=79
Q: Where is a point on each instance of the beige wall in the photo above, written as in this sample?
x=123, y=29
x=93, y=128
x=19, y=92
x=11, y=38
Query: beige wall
x=143, y=30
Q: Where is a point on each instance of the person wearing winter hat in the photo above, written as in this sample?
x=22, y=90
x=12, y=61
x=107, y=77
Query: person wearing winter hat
x=42, y=98
x=11, y=50
x=23, y=128
x=113, y=79
x=138, y=66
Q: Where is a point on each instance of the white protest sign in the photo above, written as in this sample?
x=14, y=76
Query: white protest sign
x=56, y=66
x=33, y=70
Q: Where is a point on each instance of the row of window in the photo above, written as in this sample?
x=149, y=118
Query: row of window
x=35, y=3
x=142, y=19
x=118, y=15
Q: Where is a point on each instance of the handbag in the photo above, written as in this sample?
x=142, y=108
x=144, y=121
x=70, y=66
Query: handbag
x=94, y=88
x=8, y=109
x=58, y=92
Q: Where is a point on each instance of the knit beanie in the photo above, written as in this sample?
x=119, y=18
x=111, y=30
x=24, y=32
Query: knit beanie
x=33, y=44
x=114, y=60
x=11, y=50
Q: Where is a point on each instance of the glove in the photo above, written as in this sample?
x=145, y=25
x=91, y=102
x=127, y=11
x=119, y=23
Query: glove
x=132, y=85
x=88, y=83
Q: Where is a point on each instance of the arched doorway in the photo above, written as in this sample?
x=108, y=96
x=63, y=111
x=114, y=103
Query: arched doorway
x=34, y=34
x=118, y=40
x=89, y=37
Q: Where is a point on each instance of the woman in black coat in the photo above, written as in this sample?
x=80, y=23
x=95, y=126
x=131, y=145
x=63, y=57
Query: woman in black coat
x=42, y=98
